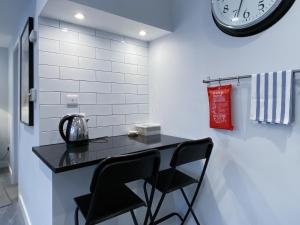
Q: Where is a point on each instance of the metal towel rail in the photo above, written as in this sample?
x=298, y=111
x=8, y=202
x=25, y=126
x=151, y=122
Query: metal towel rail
x=234, y=78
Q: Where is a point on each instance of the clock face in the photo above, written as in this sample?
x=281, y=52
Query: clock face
x=241, y=15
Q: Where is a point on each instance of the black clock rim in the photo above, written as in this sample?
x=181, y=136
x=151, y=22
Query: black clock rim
x=273, y=18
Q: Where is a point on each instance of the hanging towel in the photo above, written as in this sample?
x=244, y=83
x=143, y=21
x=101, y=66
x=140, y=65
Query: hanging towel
x=272, y=97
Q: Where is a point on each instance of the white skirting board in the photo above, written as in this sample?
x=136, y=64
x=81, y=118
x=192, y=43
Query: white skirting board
x=24, y=210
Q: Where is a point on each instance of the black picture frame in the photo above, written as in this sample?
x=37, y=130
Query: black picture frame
x=273, y=18
x=26, y=74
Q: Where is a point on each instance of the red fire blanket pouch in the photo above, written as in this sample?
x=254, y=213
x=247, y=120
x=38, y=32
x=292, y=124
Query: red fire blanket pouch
x=220, y=107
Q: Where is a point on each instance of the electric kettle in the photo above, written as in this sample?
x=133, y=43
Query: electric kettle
x=76, y=131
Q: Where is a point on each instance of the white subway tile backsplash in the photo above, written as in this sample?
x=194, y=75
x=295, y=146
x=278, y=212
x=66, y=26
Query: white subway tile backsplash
x=129, y=48
x=55, y=59
x=94, y=64
x=100, y=132
x=77, y=74
x=111, y=99
x=94, y=41
x=92, y=121
x=135, y=59
x=53, y=137
x=94, y=110
x=49, y=71
x=144, y=108
x=119, y=46
x=124, y=68
x=109, y=77
x=142, y=51
x=142, y=89
x=50, y=111
x=58, y=85
x=136, y=42
x=109, y=55
x=49, y=98
x=136, y=118
x=77, y=28
x=50, y=124
x=131, y=99
x=125, y=109
x=83, y=98
x=135, y=79
x=47, y=58
x=103, y=54
x=143, y=70
x=57, y=34
x=124, y=88
x=108, y=35
x=120, y=130
x=103, y=121
x=77, y=50
x=48, y=45
x=96, y=87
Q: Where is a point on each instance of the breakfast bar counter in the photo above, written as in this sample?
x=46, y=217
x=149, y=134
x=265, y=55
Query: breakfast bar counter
x=67, y=171
x=60, y=157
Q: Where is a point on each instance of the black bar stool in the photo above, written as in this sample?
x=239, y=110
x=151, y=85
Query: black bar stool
x=171, y=179
x=109, y=196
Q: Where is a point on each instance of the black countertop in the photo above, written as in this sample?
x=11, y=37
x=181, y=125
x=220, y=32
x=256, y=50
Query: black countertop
x=60, y=158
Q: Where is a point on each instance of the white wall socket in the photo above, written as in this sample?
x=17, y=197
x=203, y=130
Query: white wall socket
x=72, y=100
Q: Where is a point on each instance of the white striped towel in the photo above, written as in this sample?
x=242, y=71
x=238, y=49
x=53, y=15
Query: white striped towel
x=272, y=97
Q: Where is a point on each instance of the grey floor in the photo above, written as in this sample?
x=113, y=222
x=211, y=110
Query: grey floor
x=10, y=212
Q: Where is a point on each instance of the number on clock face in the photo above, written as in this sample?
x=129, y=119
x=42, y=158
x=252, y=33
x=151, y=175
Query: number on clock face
x=239, y=14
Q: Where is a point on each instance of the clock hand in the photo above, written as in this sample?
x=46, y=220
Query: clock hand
x=240, y=7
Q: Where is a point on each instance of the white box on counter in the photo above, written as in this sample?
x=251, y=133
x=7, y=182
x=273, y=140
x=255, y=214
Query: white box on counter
x=148, y=129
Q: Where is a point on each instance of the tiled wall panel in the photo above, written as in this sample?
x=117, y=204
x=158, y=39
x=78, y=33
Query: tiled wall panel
x=109, y=75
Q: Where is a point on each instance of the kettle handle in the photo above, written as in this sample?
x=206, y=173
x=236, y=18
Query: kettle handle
x=61, y=126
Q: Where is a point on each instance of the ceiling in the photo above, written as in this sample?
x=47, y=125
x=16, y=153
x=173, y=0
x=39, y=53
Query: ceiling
x=10, y=14
x=157, y=13
x=95, y=18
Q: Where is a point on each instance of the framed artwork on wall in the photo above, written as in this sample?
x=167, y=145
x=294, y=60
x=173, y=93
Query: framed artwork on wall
x=26, y=74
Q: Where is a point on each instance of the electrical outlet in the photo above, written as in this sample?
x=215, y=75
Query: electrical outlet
x=72, y=100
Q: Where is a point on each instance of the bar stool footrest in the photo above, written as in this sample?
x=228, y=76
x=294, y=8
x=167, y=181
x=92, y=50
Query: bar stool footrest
x=168, y=217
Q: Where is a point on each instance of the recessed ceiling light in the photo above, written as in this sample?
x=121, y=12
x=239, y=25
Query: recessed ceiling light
x=142, y=33
x=79, y=16
x=64, y=30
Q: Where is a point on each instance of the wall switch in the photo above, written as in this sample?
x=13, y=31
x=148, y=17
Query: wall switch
x=72, y=100
x=32, y=95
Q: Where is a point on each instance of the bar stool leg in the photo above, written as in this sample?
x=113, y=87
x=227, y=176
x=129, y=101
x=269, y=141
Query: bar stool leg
x=149, y=204
x=158, y=208
x=190, y=210
x=76, y=216
x=133, y=217
x=147, y=201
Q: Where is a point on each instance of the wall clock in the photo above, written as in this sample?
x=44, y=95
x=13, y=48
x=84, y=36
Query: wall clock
x=248, y=17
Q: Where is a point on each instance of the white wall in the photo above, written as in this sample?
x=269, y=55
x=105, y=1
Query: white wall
x=34, y=177
x=109, y=77
x=253, y=176
x=157, y=13
x=4, y=132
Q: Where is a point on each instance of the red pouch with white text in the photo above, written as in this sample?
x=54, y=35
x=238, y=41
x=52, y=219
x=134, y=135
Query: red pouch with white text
x=220, y=107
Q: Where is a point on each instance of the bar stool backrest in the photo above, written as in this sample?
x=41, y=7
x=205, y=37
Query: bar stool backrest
x=116, y=171
x=191, y=151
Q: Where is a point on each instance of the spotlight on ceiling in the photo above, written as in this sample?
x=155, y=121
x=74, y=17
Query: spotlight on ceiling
x=142, y=33
x=79, y=16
